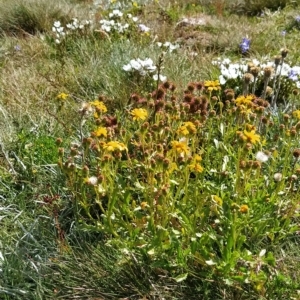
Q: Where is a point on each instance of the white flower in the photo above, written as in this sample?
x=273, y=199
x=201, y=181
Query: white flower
x=277, y=177
x=59, y=29
x=135, y=19
x=127, y=68
x=161, y=77
x=56, y=24
x=173, y=47
x=261, y=156
x=93, y=180
x=117, y=13
x=285, y=70
x=57, y=41
x=226, y=61
x=222, y=80
x=255, y=62
x=143, y=28
x=136, y=64
x=148, y=64
x=106, y=27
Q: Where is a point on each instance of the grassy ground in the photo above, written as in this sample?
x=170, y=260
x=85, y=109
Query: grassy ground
x=47, y=248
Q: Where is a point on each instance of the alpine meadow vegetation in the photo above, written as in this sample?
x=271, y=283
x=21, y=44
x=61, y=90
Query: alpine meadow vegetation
x=149, y=149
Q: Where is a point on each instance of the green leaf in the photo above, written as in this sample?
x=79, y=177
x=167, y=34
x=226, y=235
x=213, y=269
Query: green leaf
x=181, y=277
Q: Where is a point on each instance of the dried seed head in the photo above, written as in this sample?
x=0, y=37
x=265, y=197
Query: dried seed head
x=269, y=91
x=191, y=87
x=284, y=52
x=255, y=71
x=264, y=120
x=296, y=153
x=58, y=141
x=167, y=84
x=277, y=177
x=256, y=165
x=296, y=92
x=188, y=98
x=277, y=60
x=293, y=177
x=248, y=77
x=268, y=72
x=250, y=65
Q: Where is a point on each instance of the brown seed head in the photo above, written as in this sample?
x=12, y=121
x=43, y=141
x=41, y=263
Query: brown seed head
x=284, y=52
x=296, y=153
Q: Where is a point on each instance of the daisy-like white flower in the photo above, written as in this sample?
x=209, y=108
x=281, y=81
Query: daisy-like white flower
x=261, y=156
x=161, y=77
x=93, y=180
x=143, y=28
x=57, y=24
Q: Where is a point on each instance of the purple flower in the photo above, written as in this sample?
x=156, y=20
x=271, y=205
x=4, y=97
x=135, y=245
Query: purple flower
x=297, y=19
x=17, y=48
x=293, y=75
x=245, y=45
x=283, y=32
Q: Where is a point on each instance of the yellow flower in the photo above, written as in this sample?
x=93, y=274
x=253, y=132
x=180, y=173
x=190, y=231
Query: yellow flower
x=101, y=131
x=99, y=106
x=139, y=114
x=182, y=130
x=245, y=110
x=244, y=100
x=212, y=85
x=296, y=114
x=180, y=147
x=114, y=145
x=187, y=128
x=244, y=208
x=196, y=168
x=197, y=157
x=217, y=199
x=190, y=126
x=251, y=137
x=144, y=205
x=62, y=96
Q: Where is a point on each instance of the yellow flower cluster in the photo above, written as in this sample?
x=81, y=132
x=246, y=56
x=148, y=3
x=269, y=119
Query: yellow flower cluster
x=99, y=106
x=180, y=148
x=212, y=85
x=139, y=114
x=244, y=100
x=296, y=114
x=187, y=128
x=62, y=96
x=195, y=166
x=244, y=208
x=249, y=135
x=101, y=131
x=113, y=146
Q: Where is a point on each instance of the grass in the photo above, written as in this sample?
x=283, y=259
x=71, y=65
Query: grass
x=141, y=195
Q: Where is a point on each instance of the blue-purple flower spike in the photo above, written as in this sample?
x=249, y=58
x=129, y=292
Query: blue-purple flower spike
x=245, y=45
